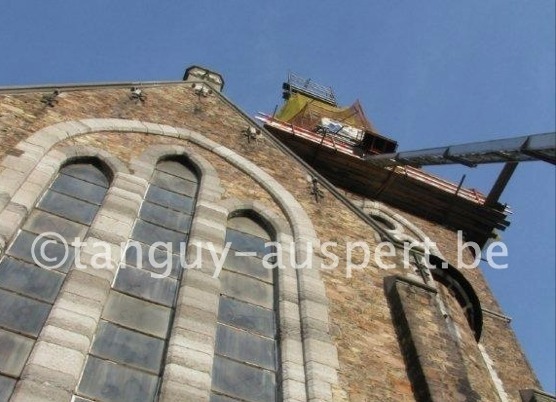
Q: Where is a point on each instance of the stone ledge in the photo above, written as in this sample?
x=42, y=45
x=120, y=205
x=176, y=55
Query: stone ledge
x=390, y=281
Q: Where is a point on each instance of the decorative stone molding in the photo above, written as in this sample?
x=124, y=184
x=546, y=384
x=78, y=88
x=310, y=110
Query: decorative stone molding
x=393, y=226
x=496, y=380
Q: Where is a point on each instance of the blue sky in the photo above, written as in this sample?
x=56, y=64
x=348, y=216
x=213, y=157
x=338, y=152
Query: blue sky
x=428, y=73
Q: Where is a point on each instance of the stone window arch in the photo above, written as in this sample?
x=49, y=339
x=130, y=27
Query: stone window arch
x=454, y=281
x=247, y=360
x=29, y=283
x=308, y=356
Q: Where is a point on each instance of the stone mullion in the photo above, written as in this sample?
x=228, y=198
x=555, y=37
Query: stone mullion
x=57, y=360
x=321, y=356
x=187, y=373
x=292, y=370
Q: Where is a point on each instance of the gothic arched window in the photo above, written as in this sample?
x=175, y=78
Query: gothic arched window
x=36, y=262
x=126, y=359
x=246, y=350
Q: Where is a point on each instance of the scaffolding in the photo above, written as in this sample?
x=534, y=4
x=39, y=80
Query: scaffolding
x=510, y=151
x=312, y=107
x=298, y=84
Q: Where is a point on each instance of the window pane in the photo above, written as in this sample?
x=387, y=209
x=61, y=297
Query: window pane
x=247, y=289
x=79, y=189
x=148, y=233
x=175, y=184
x=249, y=226
x=129, y=347
x=87, y=172
x=252, y=266
x=6, y=387
x=137, y=314
x=141, y=284
x=68, y=207
x=56, y=253
x=247, y=243
x=245, y=347
x=170, y=199
x=40, y=222
x=242, y=381
x=109, y=382
x=177, y=169
x=22, y=314
x=139, y=257
x=14, y=350
x=30, y=280
x=246, y=316
x=165, y=217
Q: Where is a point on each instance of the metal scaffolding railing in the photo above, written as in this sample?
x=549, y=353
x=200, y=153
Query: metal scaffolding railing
x=297, y=83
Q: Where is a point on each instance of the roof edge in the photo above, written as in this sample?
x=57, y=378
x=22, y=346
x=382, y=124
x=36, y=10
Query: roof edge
x=79, y=86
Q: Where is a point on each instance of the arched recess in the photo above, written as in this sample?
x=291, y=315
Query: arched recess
x=195, y=346
x=398, y=229
x=14, y=206
x=67, y=200
x=144, y=165
x=291, y=369
x=462, y=290
x=317, y=350
x=248, y=327
x=128, y=355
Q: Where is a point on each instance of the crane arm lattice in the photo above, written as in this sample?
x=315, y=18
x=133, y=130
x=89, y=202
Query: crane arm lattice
x=519, y=149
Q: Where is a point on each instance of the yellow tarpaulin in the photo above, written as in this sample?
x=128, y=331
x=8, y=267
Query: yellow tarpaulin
x=306, y=112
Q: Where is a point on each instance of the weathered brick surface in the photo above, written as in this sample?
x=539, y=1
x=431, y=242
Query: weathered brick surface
x=419, y=325
x=465, y=345
x=372, y=366
x=515, y=371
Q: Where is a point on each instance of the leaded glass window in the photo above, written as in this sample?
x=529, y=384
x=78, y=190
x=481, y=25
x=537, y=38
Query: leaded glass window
x=127, y=356
x=29, y=281
x=246, y=352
